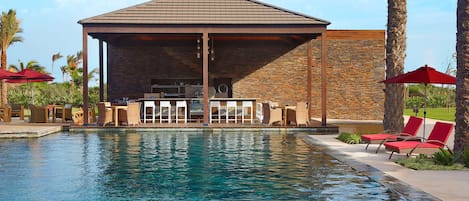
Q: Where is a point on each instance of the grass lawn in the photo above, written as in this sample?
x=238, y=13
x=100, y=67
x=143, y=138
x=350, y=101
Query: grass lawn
x=435, y=113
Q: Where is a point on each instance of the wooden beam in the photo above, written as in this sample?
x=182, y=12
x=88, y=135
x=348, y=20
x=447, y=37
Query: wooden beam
x=205, y=75
x=323, y=79
x=201, y=29
x=356, y=34
x=309, y=70
x=85, y=77
x=146, y=38
x=101, y=72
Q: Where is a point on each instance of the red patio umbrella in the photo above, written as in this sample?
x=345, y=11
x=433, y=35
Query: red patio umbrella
x=29, y=76
x=425, y=75
x=4, y=74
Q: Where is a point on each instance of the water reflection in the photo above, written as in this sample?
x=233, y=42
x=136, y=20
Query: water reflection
x=177, y=166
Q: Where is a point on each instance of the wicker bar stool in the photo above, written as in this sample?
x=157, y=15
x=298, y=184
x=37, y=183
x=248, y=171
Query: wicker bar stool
x=181, y=104
x=165, y=104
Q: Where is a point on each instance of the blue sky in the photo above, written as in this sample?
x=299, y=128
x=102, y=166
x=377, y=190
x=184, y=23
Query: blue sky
x=50, y=26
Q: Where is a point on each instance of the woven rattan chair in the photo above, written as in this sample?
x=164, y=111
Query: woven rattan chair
x=133, y=114
x=104, y=114
x=302, y=113
x=67, y=116
x=5, y=113
x=78, y=116
x=17, y=110
x=271, y=115
x=38, y=114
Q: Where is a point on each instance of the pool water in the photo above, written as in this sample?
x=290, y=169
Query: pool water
x=177, y=166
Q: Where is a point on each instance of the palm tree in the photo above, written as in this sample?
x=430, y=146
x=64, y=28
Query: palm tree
x=9, y=27
x=395, y=56
x=78, y=76
x=461, y=138
x=55, y=57
x=34, y=65
x=64, y=71
x=92, y=74
x=73, y=62
x=450, y=71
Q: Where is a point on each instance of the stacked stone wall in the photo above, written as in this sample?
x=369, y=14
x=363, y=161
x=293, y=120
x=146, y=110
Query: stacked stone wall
x=274, y=70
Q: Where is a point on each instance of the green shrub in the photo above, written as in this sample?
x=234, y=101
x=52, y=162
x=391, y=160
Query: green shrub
x=350, y=138
x=442, y=160
x=423, y=162
x=443, y=157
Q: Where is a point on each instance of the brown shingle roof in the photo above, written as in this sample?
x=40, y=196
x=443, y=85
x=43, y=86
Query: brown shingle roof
x=203, y=12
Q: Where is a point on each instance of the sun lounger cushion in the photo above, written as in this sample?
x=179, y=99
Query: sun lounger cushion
x=373, y=137
x=409, y=145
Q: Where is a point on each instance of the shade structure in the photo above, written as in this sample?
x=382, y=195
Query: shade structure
x=30, y=75
x=424, y=75
x=4, y=74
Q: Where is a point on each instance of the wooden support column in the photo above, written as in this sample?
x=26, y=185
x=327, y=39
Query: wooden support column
x=323, y=79
x=205, y=75
x=101, y=72
x=85, y=76
x=309, y=70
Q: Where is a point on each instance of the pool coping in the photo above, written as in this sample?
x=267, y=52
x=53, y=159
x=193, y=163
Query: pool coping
x=400, y=187
x=32, y=131
x=326, y=130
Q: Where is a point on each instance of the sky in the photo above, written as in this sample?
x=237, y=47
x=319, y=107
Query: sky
x=50, y=26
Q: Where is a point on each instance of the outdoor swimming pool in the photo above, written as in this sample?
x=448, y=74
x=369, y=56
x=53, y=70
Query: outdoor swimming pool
x=177, y=166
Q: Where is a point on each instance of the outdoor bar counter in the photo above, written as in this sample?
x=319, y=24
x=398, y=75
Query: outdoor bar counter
x=195, y=105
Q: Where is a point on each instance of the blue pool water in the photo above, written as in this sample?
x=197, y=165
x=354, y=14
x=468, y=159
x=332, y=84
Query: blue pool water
x=177, y=166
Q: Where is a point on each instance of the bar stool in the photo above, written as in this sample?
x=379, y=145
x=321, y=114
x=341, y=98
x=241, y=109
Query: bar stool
x=215, y=104
x=231, y=104
x=246, y=104
x=165, y=104
x=181, y=104
x=149, y=104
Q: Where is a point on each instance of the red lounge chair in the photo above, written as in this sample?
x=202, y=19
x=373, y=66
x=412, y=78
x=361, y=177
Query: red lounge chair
x=436, y=140
x=410, y=130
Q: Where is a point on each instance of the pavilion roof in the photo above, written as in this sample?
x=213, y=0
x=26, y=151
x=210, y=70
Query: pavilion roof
x=204, y=12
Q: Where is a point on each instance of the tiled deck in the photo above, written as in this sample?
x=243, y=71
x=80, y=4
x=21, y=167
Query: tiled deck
x=22, y=129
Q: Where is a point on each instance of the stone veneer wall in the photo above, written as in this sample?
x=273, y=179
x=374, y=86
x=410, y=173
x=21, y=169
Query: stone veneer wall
x=132, y=66
x=266, y=69
x=356, y=65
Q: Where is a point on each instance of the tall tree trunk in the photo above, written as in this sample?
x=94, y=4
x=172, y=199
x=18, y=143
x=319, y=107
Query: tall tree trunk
x=461, y=138
x=4, y=83
x=395, y=56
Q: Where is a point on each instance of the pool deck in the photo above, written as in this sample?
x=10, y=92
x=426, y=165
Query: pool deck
x=28, y=131
x=444, y=185
x=22, y=129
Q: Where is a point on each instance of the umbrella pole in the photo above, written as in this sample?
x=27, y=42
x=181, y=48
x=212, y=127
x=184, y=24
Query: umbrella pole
x=424, y=109
x=32, y=93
